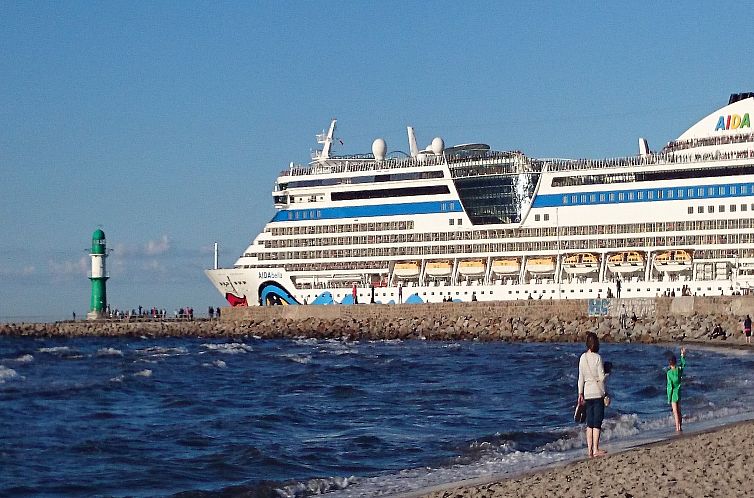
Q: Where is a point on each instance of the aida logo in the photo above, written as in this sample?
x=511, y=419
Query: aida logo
x=733, y=122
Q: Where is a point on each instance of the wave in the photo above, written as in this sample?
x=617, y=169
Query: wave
x=143, y=373
x=216, y=363
x=649, y=392
x=109, y=352
x=229, y=348
x=346, y=391
x=386, y=341
x=162, y=352
x=25, y=358
x=56, y=349
x=298, y=358
x=271, y=489
x=7, y=374
x=305, y=342
x=510, y=454
x=314, y=487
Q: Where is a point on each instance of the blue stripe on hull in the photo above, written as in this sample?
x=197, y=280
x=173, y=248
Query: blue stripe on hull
x=368, y=211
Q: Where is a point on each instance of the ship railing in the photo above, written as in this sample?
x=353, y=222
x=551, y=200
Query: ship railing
x=647, y=161
x=677, y=145
x=351, y=164
x=520, y=164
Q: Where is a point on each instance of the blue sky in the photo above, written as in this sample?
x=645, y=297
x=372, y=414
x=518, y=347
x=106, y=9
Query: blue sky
x=166, y=123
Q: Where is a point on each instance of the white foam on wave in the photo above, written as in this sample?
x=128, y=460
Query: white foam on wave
x=109, y=352
x=143, y=373
x=305, y=341
x=725, y=351
x=216, y=363
x=8, y=374
x=338, y=352
x=314, y=487
x=337, y=348
x=117, y=378
x=621, y=432
x=411, y=480
x=25, y=358
x=298, y=358
x=386, y=341
x=162, y=352
x=229, y=347
x=57, y=349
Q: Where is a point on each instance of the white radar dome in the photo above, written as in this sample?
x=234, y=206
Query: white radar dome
x=379, y=148
x=438, y=145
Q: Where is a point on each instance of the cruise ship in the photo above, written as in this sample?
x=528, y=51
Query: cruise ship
x=468, y=223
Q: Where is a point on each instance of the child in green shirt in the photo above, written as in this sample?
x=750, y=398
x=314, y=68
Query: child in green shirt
x=674, y=375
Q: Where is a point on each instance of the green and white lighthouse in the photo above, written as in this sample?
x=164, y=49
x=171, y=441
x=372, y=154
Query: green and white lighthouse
x=98, y=276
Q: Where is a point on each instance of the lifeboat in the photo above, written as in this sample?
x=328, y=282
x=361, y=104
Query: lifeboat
x=505, y=266
x=471, y=268
x=581, y=263
x=406, y=270
x=673, y=261
x=542, y=264
x=625, y=262
x=438, y=269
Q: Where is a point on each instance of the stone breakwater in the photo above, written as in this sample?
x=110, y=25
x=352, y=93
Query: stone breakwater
x=657, y=320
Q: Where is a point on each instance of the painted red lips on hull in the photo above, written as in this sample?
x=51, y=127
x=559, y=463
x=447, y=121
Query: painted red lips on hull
x=235, y=300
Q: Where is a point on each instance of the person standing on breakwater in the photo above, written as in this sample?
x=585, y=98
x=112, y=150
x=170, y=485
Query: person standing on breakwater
x=592, y=393
x=674, y=375
x=747, y=329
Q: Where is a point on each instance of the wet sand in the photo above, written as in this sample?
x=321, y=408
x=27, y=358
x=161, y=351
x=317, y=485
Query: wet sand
x=713, y=463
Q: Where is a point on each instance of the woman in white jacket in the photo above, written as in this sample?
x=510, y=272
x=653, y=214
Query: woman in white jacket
x=592, y=393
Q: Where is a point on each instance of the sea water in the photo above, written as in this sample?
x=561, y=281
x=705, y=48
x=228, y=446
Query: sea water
x=248, y=417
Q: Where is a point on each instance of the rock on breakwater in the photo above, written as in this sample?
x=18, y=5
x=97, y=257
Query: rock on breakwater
x=658, y=320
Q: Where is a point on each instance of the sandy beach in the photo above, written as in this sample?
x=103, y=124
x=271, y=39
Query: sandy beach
x=707, y=464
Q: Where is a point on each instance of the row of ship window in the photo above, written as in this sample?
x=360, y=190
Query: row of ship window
x=660, y=194
x=342, y=228
x=377, y=267
x=699, y=209
x=538, y=233
x=351, y=195
x=720, y=209
x=652, y=176
x=510, y=232
x=527, y=293
x=512, y=247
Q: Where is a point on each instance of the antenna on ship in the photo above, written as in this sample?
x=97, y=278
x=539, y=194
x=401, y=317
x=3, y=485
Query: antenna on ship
x=412, y=148
x=324, y=154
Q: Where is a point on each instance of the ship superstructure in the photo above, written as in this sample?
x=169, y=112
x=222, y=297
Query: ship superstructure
x=469, y=223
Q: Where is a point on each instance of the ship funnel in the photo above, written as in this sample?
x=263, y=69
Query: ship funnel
x=643, y=147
